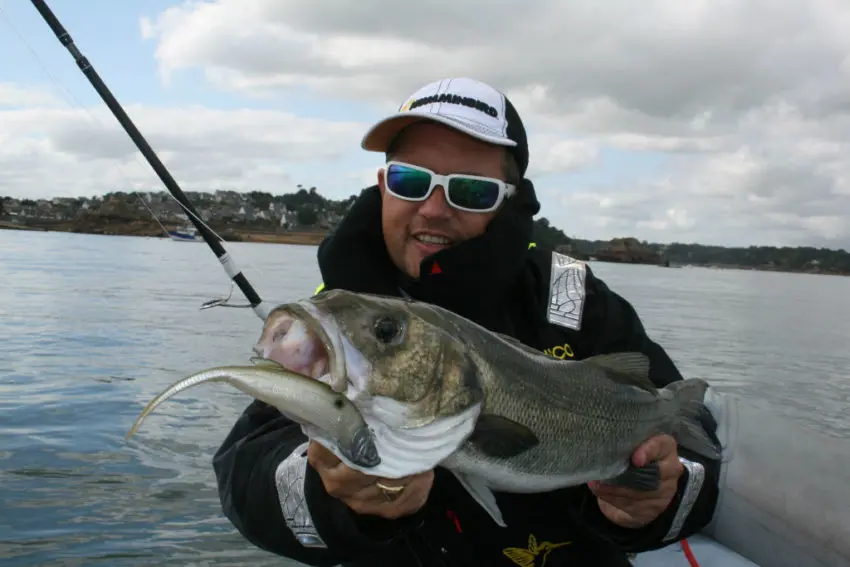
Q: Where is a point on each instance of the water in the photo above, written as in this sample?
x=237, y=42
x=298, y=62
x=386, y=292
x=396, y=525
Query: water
x=91, y=327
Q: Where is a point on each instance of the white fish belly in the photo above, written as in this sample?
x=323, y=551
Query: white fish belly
x=404, y=451
x=503, y=476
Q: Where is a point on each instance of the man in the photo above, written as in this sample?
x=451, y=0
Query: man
x=463, y=242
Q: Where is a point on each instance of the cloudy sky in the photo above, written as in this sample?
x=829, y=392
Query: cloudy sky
x=723, y=122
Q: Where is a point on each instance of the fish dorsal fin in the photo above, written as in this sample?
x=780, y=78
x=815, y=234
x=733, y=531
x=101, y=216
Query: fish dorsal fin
x=631, y=368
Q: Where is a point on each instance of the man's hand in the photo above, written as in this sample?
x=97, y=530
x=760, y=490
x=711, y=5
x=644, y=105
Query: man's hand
x=361, y=493
x=634, y=508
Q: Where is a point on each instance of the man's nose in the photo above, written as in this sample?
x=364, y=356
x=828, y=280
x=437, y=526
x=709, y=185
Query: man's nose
x=436, y=204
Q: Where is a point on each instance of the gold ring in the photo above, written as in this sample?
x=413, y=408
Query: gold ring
x=390, y=492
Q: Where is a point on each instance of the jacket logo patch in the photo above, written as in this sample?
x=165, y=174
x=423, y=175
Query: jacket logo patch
x=535, y=555
x=560, y=351
x=566, y=292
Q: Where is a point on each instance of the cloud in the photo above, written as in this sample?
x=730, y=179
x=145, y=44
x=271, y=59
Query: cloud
x=722, y=122
x=732, y=196
x=57, y=150
x=20, y=96
x=554, y=154
x=660, y=58
x=745, y=104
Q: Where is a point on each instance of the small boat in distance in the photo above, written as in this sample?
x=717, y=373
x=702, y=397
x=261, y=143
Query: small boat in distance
x=185, y=234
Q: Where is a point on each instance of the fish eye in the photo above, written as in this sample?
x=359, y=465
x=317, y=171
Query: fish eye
x=387, y=329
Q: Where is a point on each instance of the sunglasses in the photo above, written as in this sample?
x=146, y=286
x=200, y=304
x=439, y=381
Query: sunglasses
x=470, y=193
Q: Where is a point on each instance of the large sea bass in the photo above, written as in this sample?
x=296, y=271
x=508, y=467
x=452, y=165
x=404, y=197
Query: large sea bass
x=404, y=386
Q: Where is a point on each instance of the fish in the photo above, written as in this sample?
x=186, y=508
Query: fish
x=437, y=389
x=298, y=396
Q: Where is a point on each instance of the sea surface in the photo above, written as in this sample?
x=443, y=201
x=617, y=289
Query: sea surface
x=92, y=327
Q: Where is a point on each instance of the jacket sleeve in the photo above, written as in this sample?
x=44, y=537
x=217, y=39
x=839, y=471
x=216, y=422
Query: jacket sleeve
x=617, y=328
x=276, y=500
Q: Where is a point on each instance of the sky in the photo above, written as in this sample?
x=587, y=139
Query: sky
x=723, y=122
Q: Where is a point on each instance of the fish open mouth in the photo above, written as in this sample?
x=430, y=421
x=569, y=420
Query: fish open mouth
x=301, y=338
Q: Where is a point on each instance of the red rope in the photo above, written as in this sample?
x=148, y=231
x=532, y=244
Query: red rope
x=689, y=554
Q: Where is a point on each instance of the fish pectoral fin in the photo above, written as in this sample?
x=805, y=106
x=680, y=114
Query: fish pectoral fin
x=631, y=368
x=646, y=478
x=481, y=493
x=500, y=437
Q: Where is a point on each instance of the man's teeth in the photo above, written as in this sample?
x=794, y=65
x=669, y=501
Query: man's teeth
x=431, y=239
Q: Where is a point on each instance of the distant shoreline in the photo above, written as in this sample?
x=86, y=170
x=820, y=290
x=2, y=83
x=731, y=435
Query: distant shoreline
x=150, y=229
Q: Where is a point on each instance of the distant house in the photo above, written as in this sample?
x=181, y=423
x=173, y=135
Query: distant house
x=215, y=206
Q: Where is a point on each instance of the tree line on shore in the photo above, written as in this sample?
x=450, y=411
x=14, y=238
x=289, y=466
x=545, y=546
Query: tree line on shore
x=785, y=258
x=307, y=209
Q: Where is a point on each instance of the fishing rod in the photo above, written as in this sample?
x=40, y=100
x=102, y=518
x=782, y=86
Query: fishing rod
x=227, y=262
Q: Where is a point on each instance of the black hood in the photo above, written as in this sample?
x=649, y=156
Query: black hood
x=472, y=278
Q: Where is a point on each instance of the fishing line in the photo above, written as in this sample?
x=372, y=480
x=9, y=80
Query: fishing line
x=212, y=238
x=76, y=104
x=72, y=101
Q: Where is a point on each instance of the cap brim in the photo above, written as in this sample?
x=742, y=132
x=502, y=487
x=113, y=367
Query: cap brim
x=379, y=137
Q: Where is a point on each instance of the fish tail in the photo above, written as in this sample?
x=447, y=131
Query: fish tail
x=694, y=421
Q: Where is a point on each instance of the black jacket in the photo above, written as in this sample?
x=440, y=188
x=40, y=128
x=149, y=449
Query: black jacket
x=502, y=282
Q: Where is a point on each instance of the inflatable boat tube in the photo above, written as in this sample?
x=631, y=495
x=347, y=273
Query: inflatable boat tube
x=784, y=496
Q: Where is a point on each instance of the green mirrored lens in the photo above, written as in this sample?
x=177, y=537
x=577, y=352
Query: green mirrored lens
x=407, y=182
x=474, y=194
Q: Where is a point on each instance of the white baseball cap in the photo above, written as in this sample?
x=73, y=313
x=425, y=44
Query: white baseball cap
x=461, y=103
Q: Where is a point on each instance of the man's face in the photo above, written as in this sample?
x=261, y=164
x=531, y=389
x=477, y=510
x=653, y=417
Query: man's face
x=406, y=224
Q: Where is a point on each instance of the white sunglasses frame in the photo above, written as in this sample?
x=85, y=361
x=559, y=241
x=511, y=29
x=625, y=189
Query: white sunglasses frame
x=506, y=190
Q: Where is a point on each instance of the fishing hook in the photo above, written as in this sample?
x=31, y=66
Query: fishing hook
x=223, y=301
